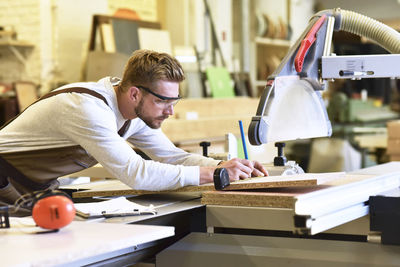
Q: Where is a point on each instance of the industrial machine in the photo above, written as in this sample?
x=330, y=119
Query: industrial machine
x=290, y=108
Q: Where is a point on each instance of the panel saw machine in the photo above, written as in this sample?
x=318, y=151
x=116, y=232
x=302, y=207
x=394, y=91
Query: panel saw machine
x=291, y=107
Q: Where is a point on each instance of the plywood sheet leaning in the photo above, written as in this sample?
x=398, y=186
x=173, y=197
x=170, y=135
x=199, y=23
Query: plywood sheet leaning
x=117, y=188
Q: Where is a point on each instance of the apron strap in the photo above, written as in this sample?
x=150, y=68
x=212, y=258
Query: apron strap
x=7, y=170
x=80, y=90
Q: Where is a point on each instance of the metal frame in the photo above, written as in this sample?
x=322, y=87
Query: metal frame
x=357, y=67
x=313, y=212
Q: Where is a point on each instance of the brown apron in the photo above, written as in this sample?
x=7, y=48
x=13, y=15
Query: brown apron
x=30, y=171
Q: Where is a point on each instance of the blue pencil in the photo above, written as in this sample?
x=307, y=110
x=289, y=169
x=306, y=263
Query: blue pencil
x=243, y=140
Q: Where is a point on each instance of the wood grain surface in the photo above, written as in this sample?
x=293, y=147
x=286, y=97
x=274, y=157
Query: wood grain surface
x=283, y=197
x=117, y=188
x=273, y=197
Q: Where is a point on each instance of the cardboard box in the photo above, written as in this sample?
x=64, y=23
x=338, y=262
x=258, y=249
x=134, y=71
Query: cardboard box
x=395, y=157
x=393, y=146
x=393, y=129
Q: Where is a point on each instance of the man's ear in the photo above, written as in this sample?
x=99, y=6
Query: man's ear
x=134, y=93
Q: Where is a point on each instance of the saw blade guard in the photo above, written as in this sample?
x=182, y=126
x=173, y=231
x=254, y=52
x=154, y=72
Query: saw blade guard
x=298, y=112
x=294, y=110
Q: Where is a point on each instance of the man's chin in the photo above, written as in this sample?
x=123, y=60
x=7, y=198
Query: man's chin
x=155, y=124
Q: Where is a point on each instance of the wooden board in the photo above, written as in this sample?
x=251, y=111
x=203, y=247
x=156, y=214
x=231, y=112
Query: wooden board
x=216, y=107
x=284, y=197
x=117, y=188
x=100, y=64
x=206, y=118
x=153, y=39
x=272, y=197
x=203, y=129
x=26, y=94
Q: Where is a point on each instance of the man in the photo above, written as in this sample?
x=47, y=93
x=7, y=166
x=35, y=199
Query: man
x=78, y=125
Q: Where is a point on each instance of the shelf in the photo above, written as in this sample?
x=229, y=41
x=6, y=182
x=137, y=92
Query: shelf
x=272, y=42
x=14, y=45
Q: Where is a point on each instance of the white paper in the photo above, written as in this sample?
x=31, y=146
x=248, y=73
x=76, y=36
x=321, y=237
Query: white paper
x=118, y=206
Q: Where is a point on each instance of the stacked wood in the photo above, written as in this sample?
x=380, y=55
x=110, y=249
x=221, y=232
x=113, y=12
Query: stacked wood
x=393, y=144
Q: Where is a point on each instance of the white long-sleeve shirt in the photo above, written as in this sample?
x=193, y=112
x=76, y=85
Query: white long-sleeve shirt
x=71, y=119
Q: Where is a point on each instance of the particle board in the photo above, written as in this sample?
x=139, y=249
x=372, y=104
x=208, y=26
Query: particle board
x=117, y=188
x=273, y=197
x=185, y=130
x=216, y=107
x=284, y=197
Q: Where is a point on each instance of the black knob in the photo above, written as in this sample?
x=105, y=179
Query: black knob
x=280, y=160
x=205, y=146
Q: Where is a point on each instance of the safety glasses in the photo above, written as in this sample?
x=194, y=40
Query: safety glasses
x=165, y=101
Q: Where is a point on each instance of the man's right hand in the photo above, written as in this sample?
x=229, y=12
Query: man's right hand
x=237, y=169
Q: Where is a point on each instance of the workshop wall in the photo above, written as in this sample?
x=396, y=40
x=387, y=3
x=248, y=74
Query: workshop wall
x=24, y=18
x=386, y=9
x=59, y=34
x=72, y=36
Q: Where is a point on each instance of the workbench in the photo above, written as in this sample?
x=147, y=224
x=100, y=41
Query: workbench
x=228, y=235
x=117, y=241
x=260, y=236
x=78, y=244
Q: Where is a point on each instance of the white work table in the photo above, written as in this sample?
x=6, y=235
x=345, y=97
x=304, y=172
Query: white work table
x=77, y=244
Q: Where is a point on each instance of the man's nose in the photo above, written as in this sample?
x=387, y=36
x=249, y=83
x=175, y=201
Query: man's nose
x=169, y=110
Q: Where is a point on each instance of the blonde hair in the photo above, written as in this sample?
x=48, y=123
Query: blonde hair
x=146, y=67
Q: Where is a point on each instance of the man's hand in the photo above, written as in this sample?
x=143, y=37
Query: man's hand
x=237, y=169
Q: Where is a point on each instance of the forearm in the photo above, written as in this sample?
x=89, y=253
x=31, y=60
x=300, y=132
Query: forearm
x=206, y=174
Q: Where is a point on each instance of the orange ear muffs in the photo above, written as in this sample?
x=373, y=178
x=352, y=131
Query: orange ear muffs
x=53, y=210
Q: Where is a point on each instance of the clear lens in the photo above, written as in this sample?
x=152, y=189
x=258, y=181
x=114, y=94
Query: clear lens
x=165, y=104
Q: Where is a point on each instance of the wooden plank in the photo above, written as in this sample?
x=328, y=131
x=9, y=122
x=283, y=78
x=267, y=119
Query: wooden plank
x=107, y=38
x=153, y=39
x=102, y=19
x=185, y=130
x=216, y=107
x=100, y=64
x=372, y=141
x=26, y=94
x=197, y=119
x=284, y=197
x=275, y=197
x=117, y=188
x=305, y=179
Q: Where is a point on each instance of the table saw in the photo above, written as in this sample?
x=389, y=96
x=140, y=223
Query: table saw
x=327, y=225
